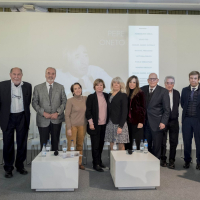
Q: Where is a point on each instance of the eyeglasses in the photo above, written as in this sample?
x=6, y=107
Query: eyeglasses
x=15, y=96
x=152, y=79
x=169, y=83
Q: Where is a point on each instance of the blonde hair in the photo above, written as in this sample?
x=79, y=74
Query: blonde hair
x=120, y=81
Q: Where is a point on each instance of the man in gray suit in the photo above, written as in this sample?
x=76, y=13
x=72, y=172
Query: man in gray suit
x=157, y=114
x=49, y=102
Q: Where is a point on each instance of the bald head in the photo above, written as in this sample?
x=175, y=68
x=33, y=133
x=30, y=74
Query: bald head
x=15, y=68
x=153, y=80
x=153, y=75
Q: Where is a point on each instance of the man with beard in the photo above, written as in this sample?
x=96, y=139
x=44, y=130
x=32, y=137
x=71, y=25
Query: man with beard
x=49, y=102
x=15, y=99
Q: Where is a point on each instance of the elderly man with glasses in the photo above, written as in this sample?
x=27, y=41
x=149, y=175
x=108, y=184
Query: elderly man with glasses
x=173, y=124
x=157, y=114
x=15, y=99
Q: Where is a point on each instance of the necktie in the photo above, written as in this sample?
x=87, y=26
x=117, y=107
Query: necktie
x=151, y=91
x=192, y=93
x=50, y=93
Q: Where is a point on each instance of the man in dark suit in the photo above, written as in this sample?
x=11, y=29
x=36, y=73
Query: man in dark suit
x=15, y=98
x=157, y=114
x=173, y=124
x=190, y=102
x=49, y=101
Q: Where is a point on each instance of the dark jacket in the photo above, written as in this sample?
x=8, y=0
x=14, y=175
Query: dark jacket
x=185, y=100
x=174, y=114
x=118, y=108
x=92, y=111
x=158, y=110
x=5, y=102
x=137, y=108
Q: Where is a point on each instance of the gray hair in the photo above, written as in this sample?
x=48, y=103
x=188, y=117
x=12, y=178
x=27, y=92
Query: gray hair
x=50, y=68
x=120, y=81
x=169, y=77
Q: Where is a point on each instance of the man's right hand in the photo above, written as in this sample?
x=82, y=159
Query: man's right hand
x=92, y=127
x=47, y=115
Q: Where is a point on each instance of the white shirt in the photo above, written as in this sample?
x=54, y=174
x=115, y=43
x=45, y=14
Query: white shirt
x=48, y=86
x=152, y=88
x=17, y=105
x=171, y=99
x=196, y=88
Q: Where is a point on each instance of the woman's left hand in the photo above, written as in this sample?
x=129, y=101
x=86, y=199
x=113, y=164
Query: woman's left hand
x=140, y=125
x=119, y=131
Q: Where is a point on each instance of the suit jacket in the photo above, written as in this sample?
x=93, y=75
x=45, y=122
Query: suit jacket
x=92, y=111
x=118, y=108
x=137, y=109
x=158, y=110
x=5, y=102
x=41, y=103
x=174, y=113
x=185, y=100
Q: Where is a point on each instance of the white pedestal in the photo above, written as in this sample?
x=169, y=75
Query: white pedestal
x=136, y=171
x=53, y=173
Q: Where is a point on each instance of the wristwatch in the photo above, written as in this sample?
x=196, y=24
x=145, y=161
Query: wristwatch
x=58, y=112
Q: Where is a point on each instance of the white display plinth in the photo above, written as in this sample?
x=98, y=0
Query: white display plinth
x=136, y=171
x=53, y=173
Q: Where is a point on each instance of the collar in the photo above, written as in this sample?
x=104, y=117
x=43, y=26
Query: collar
x=171, y=91
x=196, y=88
x=12, y=84
x=152, y=88
x=47, y=84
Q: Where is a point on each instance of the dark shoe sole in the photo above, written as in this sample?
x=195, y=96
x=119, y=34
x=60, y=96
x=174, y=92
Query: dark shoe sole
x=99, y=170
x=8, y=176
x=198, y=168
x=23, y=173
x=171, y=167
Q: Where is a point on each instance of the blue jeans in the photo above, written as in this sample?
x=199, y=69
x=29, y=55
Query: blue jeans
x=191, y=125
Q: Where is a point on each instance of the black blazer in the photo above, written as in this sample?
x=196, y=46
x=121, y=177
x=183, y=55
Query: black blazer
x=174, y=114
x=158, y=110
x=185, y=99
x=5, y=102
x=118, y=108
x=92, y=112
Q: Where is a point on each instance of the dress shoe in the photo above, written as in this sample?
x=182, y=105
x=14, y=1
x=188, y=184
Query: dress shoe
x=8, y=175
x=186, y=165
x=171, y=165
x=98, y=168
x=102, y=165
x=22, y=171
x=163, y=163
x=198, y=166
x=81, y=167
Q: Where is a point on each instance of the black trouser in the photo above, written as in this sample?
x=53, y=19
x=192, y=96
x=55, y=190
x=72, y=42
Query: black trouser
x=173, y=128
x=191, y=126
x=134, y=133
x=154, y=139
x=17, y=121
x=54, y=130
x=97, y=142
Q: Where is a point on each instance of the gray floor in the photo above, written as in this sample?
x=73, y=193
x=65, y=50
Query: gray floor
x=175, y=184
